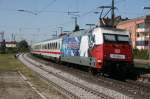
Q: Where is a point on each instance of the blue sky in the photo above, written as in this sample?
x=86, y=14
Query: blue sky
x=52, y=14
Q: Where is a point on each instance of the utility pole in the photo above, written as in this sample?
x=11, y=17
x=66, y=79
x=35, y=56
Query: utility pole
x=112, y=14
x=112, y=9
x=76, y=25
x=2, y=35
x=75, y=14
x=12, y=37
x=55, y=35
x=75, y=20
x=61, y=29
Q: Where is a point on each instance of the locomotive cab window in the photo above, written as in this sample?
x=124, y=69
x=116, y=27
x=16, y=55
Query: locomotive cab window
x=123, y=38
x=116, y=38
x=109, y=38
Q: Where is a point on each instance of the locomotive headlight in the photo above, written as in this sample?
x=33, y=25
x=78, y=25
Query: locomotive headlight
x=99, y=61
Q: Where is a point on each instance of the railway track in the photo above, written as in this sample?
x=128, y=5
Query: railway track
x=134, y=89
x=70, y=88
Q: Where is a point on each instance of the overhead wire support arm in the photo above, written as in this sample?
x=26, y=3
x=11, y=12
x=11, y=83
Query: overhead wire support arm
x=27, y=11
x=101, y=13
x=147, y=8
x=112, y=14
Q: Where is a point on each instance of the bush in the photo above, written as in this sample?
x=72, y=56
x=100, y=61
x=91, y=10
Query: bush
x=140, y=54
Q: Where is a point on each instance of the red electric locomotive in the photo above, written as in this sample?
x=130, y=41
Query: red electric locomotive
x=113, y=52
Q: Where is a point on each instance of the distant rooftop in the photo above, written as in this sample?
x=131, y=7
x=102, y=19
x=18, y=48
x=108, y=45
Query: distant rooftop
x=11, y=42
x=147, y=17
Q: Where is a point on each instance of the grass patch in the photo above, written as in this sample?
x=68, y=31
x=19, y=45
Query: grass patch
x=140, y=54
x=9, y=63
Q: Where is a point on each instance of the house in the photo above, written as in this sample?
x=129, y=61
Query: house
x=139, y=29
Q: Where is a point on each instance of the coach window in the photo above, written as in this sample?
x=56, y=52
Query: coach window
x=52, y=45
x=56, y=45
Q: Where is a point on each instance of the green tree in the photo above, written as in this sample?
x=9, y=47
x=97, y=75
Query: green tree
x=3, y=47
x=23, y=46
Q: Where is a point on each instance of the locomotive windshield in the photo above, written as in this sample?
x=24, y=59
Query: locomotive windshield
x=116, y=38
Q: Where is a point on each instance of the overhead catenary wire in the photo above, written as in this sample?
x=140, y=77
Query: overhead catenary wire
x=46, y=7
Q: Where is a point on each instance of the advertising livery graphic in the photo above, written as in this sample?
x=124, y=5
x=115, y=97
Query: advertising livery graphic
x=70, y=46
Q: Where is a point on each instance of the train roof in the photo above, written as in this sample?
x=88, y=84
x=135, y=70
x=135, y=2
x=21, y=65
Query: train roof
x=85, y=32
x=113, y=29
x=55, y=38
x=88, y=31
